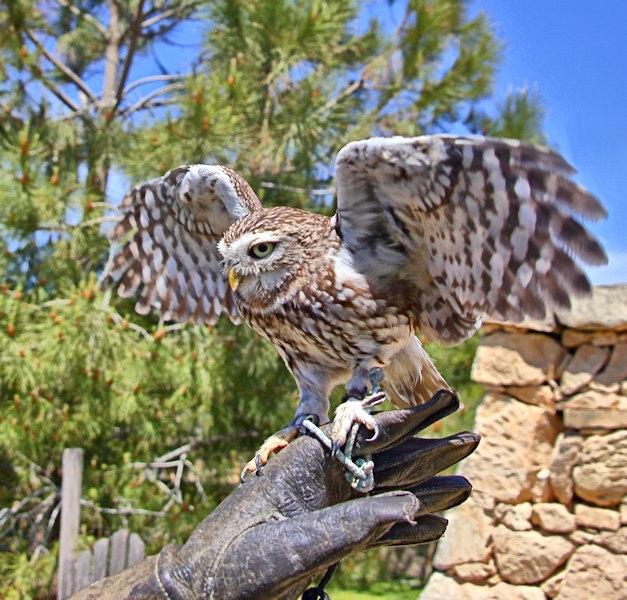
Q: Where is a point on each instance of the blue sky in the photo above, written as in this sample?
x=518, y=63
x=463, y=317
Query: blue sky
x=576, y=55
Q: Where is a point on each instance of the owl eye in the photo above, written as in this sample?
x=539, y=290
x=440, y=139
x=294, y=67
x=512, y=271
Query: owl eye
x=261, y=250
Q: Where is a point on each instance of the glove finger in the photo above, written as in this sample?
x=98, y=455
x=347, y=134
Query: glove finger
x=426, y=529
x=273, y=556
x=441, y=493
x=419, y=459
x=396, y=425
x=435, y=495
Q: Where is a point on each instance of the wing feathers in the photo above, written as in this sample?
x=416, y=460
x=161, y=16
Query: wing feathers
x=482, y=227
x=169, y=233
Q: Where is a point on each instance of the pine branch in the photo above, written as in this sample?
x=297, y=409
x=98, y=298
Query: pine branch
x=61, y=96
x=145, y=101
x=83, y=15
x=112, y=55
x=151, y=79
x=119, y=320
x=199, y=443
x=352, y=88
x=136, y=30
x=123, y=511
x=177, y=13
x=71, y=75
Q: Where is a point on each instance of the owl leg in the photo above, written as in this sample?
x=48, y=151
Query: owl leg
x=312, y=407
x=274, y=443
x=356, y=406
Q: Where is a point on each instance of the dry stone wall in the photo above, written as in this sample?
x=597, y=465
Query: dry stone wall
x=548, y=514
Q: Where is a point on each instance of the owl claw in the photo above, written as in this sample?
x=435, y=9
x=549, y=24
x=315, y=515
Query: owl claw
x=274, y=443
x=346, y=415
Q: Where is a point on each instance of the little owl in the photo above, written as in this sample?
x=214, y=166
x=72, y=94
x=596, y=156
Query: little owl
x=431, y=233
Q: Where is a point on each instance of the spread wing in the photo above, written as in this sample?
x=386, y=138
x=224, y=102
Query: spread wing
x=456, y=228
x=169, y=234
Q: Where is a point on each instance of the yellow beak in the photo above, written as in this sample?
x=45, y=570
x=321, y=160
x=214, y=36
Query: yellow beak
x=234, y=279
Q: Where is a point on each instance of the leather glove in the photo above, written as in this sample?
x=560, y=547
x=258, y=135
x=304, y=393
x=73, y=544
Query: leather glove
x=279, y=531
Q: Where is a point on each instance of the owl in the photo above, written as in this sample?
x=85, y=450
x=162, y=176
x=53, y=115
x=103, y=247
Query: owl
x=431, y=234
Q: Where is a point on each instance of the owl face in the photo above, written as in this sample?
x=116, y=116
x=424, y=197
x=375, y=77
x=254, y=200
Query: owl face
x=256, y=263
x=264, y=256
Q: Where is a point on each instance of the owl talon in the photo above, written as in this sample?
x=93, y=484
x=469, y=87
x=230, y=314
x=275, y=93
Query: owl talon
x=274, y=443
x=346, y=415
x=375, y=434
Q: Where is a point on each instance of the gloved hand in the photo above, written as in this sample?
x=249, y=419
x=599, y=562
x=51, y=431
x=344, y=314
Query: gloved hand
x=278, y=531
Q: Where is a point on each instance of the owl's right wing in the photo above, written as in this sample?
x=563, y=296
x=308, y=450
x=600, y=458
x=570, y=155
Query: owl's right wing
x=169, y=233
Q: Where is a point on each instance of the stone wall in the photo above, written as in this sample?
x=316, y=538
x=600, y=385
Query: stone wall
x=548, y=513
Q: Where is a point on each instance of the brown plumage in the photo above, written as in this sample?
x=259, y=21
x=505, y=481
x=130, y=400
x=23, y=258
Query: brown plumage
x=431, y=234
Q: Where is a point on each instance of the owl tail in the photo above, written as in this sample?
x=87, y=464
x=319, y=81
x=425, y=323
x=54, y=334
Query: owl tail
x=411, y=378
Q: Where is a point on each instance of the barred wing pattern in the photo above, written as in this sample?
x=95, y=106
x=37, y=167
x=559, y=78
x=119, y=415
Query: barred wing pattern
x=170, y=229
x=465, y=227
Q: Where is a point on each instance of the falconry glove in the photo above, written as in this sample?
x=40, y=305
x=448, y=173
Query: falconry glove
x=278, y=532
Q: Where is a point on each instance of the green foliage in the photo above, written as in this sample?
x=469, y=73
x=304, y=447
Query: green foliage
x=274, y=89
x=376, y=591
x=519, y=117
x=454, y=364
x=26, y=577
x=366, y=576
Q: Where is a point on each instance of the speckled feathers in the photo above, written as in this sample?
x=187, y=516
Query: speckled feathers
x=431, y=234
x=474, y=226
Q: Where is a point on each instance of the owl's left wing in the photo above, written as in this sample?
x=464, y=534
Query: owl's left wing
x=169, y=234
x=456, y=228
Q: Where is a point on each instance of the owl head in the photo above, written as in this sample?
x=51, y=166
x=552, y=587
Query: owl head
x=268, y=253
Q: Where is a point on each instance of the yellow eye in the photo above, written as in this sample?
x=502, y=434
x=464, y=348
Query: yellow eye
x=261, y=250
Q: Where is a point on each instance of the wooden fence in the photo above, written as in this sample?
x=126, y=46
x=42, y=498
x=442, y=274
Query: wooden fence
x=108, y=556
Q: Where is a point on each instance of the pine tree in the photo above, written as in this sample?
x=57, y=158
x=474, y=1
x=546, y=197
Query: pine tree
x=274, y=88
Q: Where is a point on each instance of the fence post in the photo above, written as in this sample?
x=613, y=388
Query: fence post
x=70, y=519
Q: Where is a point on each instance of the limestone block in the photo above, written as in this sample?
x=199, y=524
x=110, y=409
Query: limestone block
x=475, y=572
x=571, y=338
x=468, y=537
x=592, y=419
x=563, y=458
x=553, y=517
x=552, y=585
x=540, y=395
x=587, y=361
x=614, y=541
x=515, y=516
x=593, y=572
x=597, y=518
x=441, y=587
x=606, y=308
x=580, y=537
x=595, y=400
x=614, y=388
x=517, y=359
x=517, y=440
x=547, y=324
x=616, y=368
x=600, y=476
x=526, y=557
x=541, y=490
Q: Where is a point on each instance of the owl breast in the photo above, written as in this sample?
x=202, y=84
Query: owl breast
x=334, y=321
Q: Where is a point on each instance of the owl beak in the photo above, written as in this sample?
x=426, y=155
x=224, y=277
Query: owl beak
x=234, y=279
